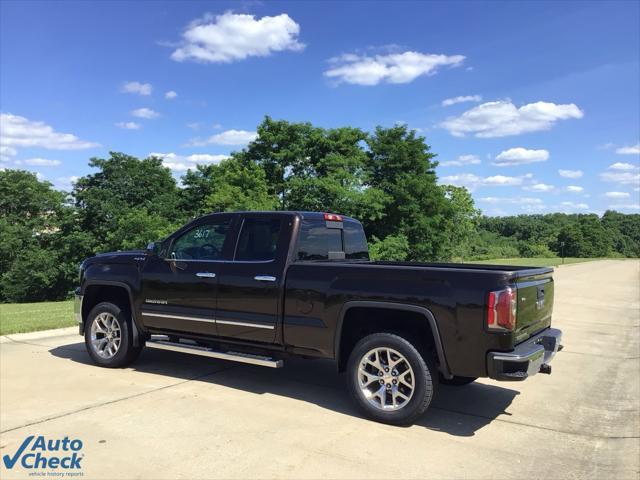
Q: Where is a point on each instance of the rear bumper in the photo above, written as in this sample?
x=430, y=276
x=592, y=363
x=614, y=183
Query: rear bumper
x=528, y=358
x=77, y=309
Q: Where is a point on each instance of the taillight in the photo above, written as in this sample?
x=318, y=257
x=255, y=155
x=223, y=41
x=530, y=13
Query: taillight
x=501, y=310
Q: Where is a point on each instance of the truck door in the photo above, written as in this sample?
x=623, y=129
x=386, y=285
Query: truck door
x=179, y=287
x=250, y=286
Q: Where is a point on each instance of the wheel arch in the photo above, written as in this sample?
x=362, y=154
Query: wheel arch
x=97, y=291
x=422, y=313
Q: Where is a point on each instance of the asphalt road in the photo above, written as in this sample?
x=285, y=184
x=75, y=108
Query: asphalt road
x=177, y=416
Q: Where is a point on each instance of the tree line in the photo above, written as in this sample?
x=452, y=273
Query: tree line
x=386, y=179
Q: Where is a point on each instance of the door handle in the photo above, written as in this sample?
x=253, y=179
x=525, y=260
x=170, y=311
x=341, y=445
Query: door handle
x=264, y=278
x=206, y=275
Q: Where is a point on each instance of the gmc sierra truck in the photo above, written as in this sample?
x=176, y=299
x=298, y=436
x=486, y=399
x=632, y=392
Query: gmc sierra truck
x=261, y=287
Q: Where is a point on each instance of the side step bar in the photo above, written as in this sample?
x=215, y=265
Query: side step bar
x=162, y=344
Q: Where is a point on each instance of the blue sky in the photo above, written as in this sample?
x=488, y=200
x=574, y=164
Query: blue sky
x=535, y=107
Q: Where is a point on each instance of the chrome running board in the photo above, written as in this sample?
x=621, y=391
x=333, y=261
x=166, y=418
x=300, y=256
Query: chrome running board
x=162, y=344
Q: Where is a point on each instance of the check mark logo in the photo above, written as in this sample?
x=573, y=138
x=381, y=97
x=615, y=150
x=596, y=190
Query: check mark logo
x=10, y=462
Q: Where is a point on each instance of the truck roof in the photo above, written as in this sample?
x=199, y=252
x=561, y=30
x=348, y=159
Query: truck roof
x=303, y=214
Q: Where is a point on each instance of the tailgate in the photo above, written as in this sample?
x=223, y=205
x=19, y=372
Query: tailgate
x=534, y=303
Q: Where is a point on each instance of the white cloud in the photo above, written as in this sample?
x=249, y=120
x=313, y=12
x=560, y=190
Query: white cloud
x=625, y=206
x=625, y=178
x=616, y=195
x=539, y=187
x=570, y=173
x=624, y=173
x=170, y=95
x=19, y=132
x=472, y=181
x=623, y=166
x=513, y=201
x=65, y=183
x=462, y=160
x=42, y=162
x=229, y=37
x=520, y=156
x=631, y=150
x=228, y=137
x=128, y=125
x=137, y=88
x=145, y=113
x=574, y=189
x=574, y=206
x=6, y=152
x=181, y=163
x=502, y=118
x=447, y=102
x=392, y=68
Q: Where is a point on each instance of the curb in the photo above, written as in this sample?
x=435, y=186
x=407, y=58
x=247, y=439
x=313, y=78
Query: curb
x=21, y=337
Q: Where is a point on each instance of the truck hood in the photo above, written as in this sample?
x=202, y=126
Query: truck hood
x=126, y=256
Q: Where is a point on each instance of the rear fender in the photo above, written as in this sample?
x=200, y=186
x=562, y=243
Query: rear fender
x=426, y=313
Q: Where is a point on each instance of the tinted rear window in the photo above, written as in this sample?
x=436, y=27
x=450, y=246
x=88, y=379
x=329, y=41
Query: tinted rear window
x=355, y=242
x=317, y=241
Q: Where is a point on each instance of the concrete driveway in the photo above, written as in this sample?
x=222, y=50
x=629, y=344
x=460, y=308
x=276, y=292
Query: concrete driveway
x=177, y=416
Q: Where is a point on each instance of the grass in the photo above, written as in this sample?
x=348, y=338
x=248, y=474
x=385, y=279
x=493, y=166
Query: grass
x=534, y=262
x=31, y=317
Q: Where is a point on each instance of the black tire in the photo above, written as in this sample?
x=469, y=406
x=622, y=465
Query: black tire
x=126, y=352
x=425, y=382
x=457, y=381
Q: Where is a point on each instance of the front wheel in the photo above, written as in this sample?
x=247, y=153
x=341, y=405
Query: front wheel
x=108, y=338
x=389, y=379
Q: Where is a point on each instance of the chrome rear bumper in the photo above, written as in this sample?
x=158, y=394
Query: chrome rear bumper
x=528, y=358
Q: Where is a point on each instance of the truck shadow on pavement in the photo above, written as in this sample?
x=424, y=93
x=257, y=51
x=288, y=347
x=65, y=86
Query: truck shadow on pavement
x=459, y=411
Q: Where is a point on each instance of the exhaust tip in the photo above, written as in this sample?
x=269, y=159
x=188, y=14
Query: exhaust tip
x=545, y=368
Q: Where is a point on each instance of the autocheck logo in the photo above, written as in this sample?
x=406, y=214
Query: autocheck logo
x=41, y=453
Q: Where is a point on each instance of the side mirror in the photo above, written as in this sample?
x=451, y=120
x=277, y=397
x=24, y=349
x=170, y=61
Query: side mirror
x=152, y=247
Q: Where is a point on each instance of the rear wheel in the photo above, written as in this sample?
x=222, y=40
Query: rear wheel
x=389, y=379
x=108, y=338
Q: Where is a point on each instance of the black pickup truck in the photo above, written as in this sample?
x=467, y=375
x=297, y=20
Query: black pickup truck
x=260, y=287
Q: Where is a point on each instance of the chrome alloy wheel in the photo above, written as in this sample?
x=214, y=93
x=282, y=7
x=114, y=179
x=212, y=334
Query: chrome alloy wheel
x=386, y=379
x=106, y=335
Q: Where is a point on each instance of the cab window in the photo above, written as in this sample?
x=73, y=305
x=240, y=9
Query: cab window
x=203, y=242
x=258, y=239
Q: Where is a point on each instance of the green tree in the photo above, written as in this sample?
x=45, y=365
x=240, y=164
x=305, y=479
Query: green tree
x=121, y=183
x=461, y=221
x=392, y=248
x=230, y=185
x=624, y=232
x=135, y=228
x=309, y=167
x=571, y=241
x=402, y=166
x=30, y=219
